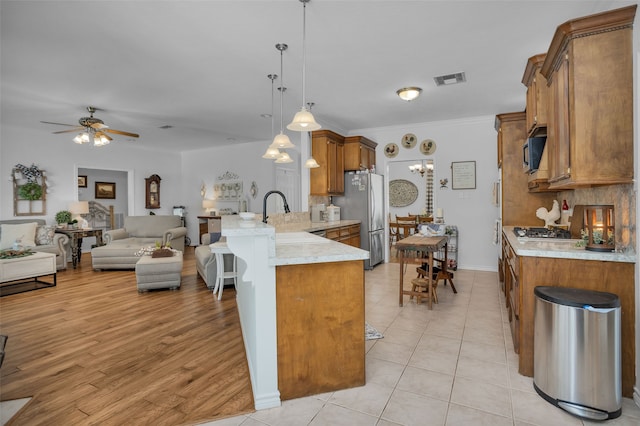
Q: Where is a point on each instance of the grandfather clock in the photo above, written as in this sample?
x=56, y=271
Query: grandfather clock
x=152, y=184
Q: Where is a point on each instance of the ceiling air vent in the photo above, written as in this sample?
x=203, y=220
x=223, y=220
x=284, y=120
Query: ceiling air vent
x=445, y=80
x=165, y=127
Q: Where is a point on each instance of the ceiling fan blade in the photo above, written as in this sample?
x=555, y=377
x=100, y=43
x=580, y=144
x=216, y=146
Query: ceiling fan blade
x=59, y=124
x=75, y=129
x=104, y=134
x=99, y=126
x=120, y=132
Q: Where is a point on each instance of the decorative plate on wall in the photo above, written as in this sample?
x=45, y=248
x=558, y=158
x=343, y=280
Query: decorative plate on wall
x=409, y=140
x=402, y=193
x=428, y=146
x=391, y=150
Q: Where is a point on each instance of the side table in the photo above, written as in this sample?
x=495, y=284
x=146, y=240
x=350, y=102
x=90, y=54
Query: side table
x=75, y=240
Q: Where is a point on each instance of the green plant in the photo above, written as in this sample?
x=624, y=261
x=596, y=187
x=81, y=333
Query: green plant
x=30, y=191
x=63, y=216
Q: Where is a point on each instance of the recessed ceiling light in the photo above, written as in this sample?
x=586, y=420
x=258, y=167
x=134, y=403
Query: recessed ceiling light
x=445, y=80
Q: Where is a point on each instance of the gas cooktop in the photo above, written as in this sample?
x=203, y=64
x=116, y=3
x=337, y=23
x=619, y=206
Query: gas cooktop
x=553, y=232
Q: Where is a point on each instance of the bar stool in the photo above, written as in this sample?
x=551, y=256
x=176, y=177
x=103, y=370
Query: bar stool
x=220, y=249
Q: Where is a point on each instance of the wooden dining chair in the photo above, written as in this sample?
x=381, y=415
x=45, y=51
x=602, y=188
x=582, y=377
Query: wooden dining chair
x=440, y=272
x=406, y=225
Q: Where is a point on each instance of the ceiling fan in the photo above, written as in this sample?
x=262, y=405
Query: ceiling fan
x=92, y=127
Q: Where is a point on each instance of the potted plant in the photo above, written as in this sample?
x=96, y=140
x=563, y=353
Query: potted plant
x=63, y=217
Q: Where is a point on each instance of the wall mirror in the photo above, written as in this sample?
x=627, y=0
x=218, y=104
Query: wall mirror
x=410, y=189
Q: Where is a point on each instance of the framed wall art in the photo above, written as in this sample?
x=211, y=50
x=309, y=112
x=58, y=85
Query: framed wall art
x=106, y=190
x=463, y=175
x=82, y=181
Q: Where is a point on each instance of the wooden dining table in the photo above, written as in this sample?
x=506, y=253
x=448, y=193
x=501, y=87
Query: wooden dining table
x=426, y=246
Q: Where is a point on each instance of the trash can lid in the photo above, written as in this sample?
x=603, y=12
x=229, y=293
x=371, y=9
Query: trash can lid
x=577, y=297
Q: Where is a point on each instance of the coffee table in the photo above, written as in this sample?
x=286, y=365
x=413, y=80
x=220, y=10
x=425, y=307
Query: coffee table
x=21, y=274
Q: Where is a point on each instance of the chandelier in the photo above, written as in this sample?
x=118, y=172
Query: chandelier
x=420, y=168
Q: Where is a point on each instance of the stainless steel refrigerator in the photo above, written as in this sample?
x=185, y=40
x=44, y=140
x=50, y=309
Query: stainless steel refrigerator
x=364, y=201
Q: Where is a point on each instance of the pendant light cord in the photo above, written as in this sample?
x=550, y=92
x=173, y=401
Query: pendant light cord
x=281, y=47
x=304, y=52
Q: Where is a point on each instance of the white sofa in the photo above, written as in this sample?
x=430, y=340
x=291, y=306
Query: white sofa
x=121, y=245
x=206, y=262
x=45, y=239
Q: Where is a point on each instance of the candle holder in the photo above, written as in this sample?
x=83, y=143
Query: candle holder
x=599, y=221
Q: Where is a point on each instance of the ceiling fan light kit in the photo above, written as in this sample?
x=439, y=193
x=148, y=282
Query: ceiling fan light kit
x=92, y=128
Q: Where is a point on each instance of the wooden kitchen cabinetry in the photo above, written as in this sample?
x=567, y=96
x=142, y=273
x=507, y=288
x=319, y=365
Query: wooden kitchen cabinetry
x=524, y=273
x=537, y=118
x=349, y=235
x=327, y=148
x=589, y=69
x=518, y=204
x=537, y=96
x=359, y=153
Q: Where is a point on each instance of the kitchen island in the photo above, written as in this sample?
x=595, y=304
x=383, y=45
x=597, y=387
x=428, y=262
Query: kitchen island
x=301, y=304
x=531, y=262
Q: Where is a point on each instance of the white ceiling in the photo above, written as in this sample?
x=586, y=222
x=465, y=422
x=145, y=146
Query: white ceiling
x=202, y=66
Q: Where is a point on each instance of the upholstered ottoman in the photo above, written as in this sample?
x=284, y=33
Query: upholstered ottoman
x=116, y=256
x=160, y=272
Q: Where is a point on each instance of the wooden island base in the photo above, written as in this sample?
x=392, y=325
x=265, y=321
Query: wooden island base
x=320, y=325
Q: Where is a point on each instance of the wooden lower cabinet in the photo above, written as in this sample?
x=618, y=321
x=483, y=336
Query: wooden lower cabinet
x=349, y=235
x=320, y=326
x=612, y=277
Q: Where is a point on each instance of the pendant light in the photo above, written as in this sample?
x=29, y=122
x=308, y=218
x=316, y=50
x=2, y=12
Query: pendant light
x=311, y=162
x=284, y=158
x=303, y=121
x=272, y=153
x=281, y=141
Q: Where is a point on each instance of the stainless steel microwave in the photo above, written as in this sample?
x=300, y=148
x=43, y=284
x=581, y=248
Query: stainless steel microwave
x=532, y=153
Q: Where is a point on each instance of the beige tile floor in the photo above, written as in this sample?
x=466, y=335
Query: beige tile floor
x=453, y=365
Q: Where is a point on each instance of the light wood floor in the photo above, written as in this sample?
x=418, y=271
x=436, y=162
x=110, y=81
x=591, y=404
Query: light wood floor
x=94, y=351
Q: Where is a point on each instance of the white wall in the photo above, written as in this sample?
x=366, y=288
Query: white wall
x=60, y=157
x=472, y=211
x=205, y=166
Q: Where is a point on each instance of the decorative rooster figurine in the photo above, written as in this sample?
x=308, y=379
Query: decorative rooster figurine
x=549, y=217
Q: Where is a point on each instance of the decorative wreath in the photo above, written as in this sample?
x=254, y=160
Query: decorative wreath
x=30, y=191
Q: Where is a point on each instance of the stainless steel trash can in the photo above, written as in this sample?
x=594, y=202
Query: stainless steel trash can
x=577, y=353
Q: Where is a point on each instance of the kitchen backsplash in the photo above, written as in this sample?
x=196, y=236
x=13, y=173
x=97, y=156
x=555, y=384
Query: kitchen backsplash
x=622, y=197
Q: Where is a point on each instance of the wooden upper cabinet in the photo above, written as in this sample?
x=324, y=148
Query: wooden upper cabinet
x=518, y=204
x=327, y=148
x=589, y=69
x=359, y=153
x=537, y=96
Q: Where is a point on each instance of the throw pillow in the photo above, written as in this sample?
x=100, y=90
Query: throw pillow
x=44, y=235
x=214, y=237
x=25, y=232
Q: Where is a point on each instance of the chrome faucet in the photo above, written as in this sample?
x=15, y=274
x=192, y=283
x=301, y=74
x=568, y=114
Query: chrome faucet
x=264, y=204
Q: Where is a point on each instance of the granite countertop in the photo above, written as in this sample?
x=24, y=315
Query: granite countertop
x=295, y=247
x=560, y=248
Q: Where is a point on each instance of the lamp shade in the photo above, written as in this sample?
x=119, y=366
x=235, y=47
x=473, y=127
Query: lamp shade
x=79, y=207
x=409, y=93
x=282, y=141
x=271, y=153
x=311, y=163
x=284, y=158
x=303, y=121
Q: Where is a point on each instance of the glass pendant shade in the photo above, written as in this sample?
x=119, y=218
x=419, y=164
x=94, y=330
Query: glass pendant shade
x=271, y=153
x=303, y=121
x=282, y=141
x=284, y=158
x=311, y=163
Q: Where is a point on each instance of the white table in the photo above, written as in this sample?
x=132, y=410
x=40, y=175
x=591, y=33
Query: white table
x=14, y=272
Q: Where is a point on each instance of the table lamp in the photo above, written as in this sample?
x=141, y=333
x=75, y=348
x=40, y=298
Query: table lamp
x=79, y=208
x=208, y=205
